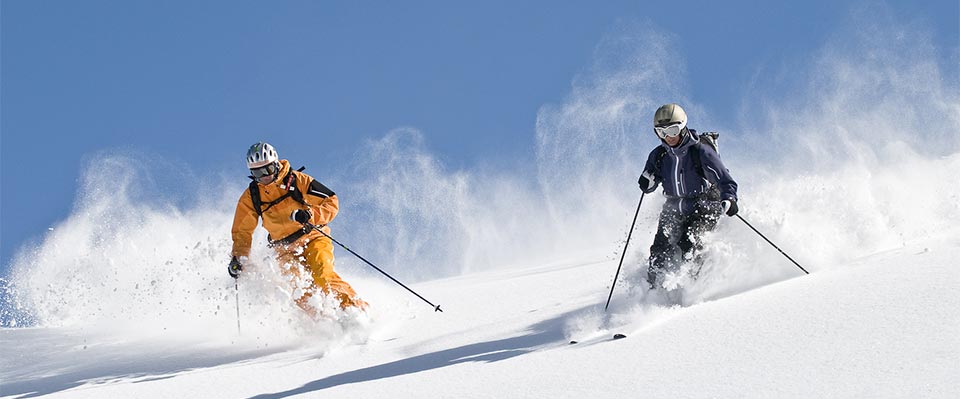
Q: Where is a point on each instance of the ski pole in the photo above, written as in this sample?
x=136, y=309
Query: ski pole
x=624, y=254
x=774, y=245
x=236, y=285
x=436, y=308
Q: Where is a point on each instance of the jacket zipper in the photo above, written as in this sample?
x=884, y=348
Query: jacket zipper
x=676, y=179
x=677, y=175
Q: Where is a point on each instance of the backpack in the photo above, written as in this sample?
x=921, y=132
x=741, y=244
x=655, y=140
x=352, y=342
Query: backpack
x=711, y=139
x=292, y=191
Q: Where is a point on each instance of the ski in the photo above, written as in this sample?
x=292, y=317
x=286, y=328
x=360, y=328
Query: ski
x=615, y=337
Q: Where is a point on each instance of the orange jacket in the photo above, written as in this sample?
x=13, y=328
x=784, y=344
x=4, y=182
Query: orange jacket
x=321, y=201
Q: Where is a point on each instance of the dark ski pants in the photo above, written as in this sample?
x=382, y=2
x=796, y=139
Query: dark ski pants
x=678, y=236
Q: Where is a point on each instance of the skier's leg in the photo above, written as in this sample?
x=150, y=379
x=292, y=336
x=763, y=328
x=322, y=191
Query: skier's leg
x=704, y=219
x=318, y=255
x=292, y=267
x=663, y=252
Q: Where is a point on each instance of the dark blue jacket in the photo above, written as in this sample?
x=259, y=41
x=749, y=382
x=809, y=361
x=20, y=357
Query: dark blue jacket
x=677, y=171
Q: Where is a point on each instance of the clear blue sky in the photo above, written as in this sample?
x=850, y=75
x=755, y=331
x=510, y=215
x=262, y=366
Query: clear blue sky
x=196, y=82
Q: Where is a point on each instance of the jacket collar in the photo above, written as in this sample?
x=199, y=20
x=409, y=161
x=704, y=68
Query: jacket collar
x=690, y=138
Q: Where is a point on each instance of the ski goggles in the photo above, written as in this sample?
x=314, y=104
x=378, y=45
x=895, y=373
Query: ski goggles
x=671, y=130
x=265, y=170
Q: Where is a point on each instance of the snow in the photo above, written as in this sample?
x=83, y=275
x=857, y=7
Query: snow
x=863, y=330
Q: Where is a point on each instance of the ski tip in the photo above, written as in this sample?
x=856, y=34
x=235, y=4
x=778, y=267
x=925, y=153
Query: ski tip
x=619, y=336
x=572, y=342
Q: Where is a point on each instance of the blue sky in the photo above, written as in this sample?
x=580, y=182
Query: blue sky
x=195, y=83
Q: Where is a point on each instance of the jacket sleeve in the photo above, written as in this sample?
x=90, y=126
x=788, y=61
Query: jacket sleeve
x=245, y=221
x=716, y=173
x=323, y=201
x=651, y=165
x=650, y=170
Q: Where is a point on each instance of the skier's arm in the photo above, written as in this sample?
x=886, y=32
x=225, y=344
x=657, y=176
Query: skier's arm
x=323, y=202
x=651, y=176
x=718, y=174
x=245, y=220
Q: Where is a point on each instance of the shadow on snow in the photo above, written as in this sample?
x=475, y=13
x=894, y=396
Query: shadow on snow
x=542, y=334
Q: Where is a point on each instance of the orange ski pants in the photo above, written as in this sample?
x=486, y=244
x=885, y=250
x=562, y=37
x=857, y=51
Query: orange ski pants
x=317, y=259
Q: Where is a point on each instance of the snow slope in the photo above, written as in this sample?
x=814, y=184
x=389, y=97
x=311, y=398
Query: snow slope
x=868, y=329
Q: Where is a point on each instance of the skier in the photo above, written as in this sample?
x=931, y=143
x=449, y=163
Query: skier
x=697, y=186
x=285, y=200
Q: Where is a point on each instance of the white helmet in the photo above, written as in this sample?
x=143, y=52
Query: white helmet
x=261, y=154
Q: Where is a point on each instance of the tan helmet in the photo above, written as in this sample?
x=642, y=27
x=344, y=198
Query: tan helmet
x=670, y=113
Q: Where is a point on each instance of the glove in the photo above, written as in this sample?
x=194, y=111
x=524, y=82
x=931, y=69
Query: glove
x=730, y=207
x=300, y=216
x=647, y=182
x=234, y=268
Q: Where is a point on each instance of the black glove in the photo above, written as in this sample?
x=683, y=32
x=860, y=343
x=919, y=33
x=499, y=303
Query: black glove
x=234, y=268
x=730, y=207
x=300, y=216
x=647, y=182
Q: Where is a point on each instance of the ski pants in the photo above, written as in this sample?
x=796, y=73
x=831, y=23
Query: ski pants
x=678, y=236
x=316, y=258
